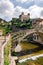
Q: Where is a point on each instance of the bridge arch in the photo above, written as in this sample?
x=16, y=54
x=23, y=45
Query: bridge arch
x=36, y=37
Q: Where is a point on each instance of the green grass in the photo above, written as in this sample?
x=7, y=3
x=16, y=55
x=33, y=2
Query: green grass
x=6, y=60
x=6, y=53
x=39, y=60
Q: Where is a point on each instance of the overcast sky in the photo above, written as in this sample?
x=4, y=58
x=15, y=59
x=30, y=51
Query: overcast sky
x=13, y=8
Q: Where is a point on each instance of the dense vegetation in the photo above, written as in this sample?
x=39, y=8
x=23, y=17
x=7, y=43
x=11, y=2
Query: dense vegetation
x=19, y=24
x=5, y=27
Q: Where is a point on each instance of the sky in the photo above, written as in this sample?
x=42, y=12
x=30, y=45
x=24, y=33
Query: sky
x=13, y=8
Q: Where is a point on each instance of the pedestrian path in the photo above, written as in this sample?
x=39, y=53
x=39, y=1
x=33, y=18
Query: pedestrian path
x=2, y=44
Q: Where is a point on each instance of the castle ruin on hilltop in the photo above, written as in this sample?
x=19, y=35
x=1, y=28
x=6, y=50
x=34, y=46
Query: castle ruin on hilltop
x=24, y=17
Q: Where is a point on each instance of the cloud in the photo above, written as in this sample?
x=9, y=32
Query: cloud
x=35, y=8
x=18, y=11
x=36, y=2
x=6, y=9
x=23, y=1
x=41, y=15
x=35, y=11
x=39, y=2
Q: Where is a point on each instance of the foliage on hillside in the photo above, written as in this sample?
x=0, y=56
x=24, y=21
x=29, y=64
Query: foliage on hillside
x=18, y=23
x=6, y=27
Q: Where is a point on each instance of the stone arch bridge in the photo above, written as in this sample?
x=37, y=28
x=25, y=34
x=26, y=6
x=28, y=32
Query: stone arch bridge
x=36, y=37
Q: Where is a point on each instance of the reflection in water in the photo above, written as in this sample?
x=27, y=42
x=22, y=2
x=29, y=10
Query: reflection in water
x=21, y=53
x=29, y=51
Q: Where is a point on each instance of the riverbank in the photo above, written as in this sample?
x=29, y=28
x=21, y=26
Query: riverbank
x=32, y=57
x=37, y=61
